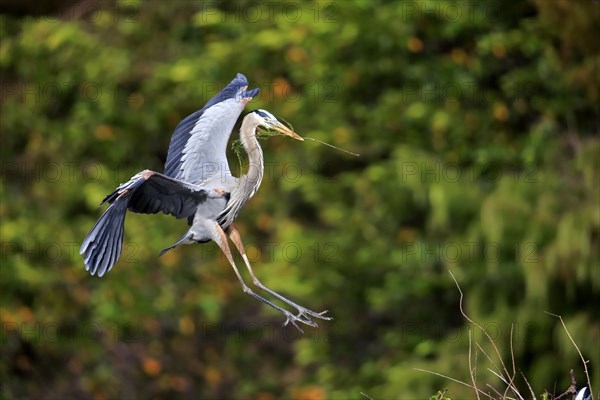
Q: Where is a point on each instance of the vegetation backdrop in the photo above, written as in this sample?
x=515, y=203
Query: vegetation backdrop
x=477, y=127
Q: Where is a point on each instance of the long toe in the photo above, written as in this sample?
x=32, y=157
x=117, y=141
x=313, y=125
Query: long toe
x=293, y=323
x=306, y=312
x=298, y=318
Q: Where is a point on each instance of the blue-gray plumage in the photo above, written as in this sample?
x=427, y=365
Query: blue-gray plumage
x=197, y=184
x=147, y=192
x=584, y=394
x=196, y=153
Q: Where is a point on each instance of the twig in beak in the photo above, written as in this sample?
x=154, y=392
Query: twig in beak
x=332, y=146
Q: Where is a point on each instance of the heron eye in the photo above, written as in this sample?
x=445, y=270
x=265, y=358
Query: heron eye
x=266, y=119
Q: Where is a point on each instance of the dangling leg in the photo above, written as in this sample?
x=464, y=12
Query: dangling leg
x=219, y=237
x=235, y=237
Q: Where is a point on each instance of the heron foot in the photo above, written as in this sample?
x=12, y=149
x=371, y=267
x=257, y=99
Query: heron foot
x=305, y=312
x=298, y=318
x=303, y=316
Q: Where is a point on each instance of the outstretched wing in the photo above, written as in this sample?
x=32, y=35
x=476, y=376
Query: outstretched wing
x=198, y=145
x=147, y=192
x=150, y=192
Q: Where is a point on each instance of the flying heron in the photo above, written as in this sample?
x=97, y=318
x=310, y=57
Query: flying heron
x=197, y=184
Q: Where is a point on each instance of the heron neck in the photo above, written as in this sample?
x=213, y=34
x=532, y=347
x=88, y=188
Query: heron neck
x=252, y=179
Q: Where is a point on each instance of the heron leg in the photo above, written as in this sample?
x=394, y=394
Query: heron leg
x=235, y=237
x=221, y=239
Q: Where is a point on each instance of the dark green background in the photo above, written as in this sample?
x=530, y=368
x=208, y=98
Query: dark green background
x=477, y=125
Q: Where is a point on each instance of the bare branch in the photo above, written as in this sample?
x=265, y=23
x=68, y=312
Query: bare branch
x=512, y=353
x=454, y=380
x=510, y=381
x=572, y=389
x=494, y=389
x=583, y=360
x=488, y=357
x=529, y=386
x=512, y=358
x=503, y=379
x=366, y=395
x=471, y=369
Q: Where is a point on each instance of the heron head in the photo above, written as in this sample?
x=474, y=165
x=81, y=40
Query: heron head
x=268, y=121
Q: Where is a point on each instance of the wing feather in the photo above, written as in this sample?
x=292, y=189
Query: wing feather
x=147, y=192
x=199, y=143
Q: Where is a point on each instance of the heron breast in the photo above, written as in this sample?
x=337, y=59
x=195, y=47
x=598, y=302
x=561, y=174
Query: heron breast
x=213, y=207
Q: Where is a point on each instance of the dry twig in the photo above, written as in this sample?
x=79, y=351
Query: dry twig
x=583, y=360
x=510, y=382
x=528, y=386
x=472, y=370
x=455, y=380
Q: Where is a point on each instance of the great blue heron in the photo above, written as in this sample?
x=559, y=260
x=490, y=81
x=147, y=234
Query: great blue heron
x=197, y=184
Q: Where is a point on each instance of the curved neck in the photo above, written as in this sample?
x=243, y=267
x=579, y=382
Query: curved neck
x=252, y=179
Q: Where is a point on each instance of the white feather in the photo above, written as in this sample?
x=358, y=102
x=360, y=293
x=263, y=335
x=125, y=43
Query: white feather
x=204, y=154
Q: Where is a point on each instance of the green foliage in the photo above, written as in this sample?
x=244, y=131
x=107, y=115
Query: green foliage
x=440, y=395
x=477, y=128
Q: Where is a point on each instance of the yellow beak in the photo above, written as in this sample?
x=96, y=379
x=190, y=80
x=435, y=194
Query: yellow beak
x=286, y=131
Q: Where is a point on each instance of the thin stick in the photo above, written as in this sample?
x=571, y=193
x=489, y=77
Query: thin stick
x=488, y=357
x=454, y=380
x=332, y=146
x=471, y=371
x=513, y=388
x=494, y=389
x=512, y=353
x=499, y=374
x=512, y=357
x=571, y=389
x=442, y=394
x=528, y=385
x=587, y=374
x=505, y=396
x=366, y=395
x=268, y=133
x=475, y=364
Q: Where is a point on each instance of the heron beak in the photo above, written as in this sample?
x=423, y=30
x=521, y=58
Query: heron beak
x=279, y=127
